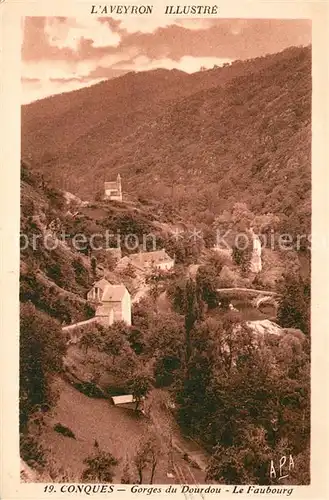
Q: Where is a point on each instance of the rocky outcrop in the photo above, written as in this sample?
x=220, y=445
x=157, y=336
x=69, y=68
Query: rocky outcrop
x=256, y=257
x=265, y=327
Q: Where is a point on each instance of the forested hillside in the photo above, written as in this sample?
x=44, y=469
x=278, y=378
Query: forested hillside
x=197, y=141
x=224, y=150
x=53, y=276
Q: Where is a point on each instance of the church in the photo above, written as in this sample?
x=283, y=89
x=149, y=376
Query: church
x=113, y=189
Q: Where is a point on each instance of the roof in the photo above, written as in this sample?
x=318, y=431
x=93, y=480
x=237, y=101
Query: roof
x=151, y=257
x=125, y=261
x=114, y=293
x=127, y=398
x=111, y=185
x=102, y=283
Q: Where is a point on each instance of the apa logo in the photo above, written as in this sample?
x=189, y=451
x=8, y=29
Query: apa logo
x=285, y=465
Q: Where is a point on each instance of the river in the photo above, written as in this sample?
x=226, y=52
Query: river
x=250, y=313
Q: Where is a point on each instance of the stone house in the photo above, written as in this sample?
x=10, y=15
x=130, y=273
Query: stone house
x=96, y=293
x=113, y=302
x=145, y=261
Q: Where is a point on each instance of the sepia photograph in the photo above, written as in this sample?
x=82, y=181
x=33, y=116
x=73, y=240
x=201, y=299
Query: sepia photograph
x=165, y=253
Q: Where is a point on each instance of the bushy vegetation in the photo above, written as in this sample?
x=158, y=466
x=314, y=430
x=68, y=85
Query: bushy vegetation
x=240, y=395
x=53, y=276
x=65, y=431
x=294, y=306
x=245, y=398
x=99, y=467
x=202, y=142
x=42, y=347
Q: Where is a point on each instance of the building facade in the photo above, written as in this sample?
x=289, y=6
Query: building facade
x=113, y=189
x=113, y=302
x=159, y=259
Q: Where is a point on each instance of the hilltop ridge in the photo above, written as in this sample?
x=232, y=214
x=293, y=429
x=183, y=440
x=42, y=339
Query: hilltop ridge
x=197, y=142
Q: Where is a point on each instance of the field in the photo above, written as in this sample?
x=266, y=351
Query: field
x=116, y=430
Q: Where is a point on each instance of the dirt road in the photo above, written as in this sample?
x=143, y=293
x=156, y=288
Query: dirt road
x=163, y=419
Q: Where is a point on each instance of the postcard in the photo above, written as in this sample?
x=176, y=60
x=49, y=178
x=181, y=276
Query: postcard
x=164, y=250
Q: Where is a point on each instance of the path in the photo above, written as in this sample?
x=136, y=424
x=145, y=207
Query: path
x=141, y=293
x=164, y=421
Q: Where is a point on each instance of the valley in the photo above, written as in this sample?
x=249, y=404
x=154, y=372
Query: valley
x=196, y=142
x=208, y=347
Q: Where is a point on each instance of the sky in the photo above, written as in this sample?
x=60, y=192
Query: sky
x=61, y=54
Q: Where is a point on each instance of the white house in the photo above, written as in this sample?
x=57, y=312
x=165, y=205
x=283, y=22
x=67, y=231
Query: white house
x=128, y=401
x=96, y=293
x=158, y=259
x=113, y=302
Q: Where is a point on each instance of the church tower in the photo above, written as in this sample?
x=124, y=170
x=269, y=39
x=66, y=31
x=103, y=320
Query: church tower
x=119, y=187
x=113, y=189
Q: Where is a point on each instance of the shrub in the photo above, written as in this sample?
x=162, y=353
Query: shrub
x=65, y=431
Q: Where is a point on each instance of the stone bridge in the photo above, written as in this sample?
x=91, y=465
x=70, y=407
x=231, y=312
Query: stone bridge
x=249, y=291
x=258, y=297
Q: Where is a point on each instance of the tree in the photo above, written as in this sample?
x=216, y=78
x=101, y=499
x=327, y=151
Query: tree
x=245, y=395
x=242, y=217
x=148, y=453
x=42, y=347
x=141, y=461
x=130, y=271
x=192, y=313
x=209, y=236
x=154, y=457
x=223, y=221
x=126, y=364
x=140, y=386
x=265, y=223
x=246, y=464
x=81, y=273
x=114, y=339
x=234, y=341
x=126, y=472
x=183, y=294
x=165, y=340
x=216, y=260
x=154, y=279
x=87, y=340
x=92, y=336
x=242, y=257
x=93, y=262
x=294, y=304
x=206, y=286
x=32, y=452
x=176, y=292
x=100, y=467
x=227, y=278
